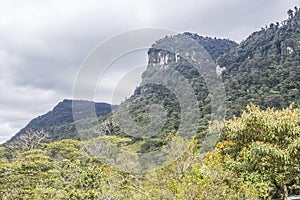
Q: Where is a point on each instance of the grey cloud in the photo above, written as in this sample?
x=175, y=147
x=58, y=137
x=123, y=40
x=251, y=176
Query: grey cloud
x=234, y=19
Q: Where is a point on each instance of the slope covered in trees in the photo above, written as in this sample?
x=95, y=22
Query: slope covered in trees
x=59, y=123
x=264, y=68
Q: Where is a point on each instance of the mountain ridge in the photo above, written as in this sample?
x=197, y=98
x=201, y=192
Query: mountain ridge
x=61, y=115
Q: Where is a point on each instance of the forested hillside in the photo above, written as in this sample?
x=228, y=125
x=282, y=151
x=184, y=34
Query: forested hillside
x=59, y=123
x=264, y=68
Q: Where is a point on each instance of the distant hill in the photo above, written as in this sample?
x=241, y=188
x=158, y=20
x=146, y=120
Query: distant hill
x=59, y=123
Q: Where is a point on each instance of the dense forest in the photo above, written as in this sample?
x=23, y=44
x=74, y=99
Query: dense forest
x=257, y=158
x=256, y=154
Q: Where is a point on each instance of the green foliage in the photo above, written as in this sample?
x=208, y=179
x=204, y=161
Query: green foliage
x=62, y=170
x=263, y=148
x=187, y=178
x=215, y=47
x=258, y=158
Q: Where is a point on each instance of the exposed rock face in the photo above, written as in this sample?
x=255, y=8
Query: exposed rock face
x=162, y=57
x=290, y=50
x=220, y=70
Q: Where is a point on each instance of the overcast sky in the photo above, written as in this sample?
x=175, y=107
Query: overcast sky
x=43, y=43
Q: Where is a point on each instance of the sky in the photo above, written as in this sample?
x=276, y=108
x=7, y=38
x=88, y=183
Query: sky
x=44, y=43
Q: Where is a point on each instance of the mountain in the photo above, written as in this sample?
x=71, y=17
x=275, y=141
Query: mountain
x=59, y=123
x=263, y=69
x=173, y=54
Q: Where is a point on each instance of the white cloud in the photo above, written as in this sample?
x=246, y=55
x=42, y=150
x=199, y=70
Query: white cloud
x=6, y=131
